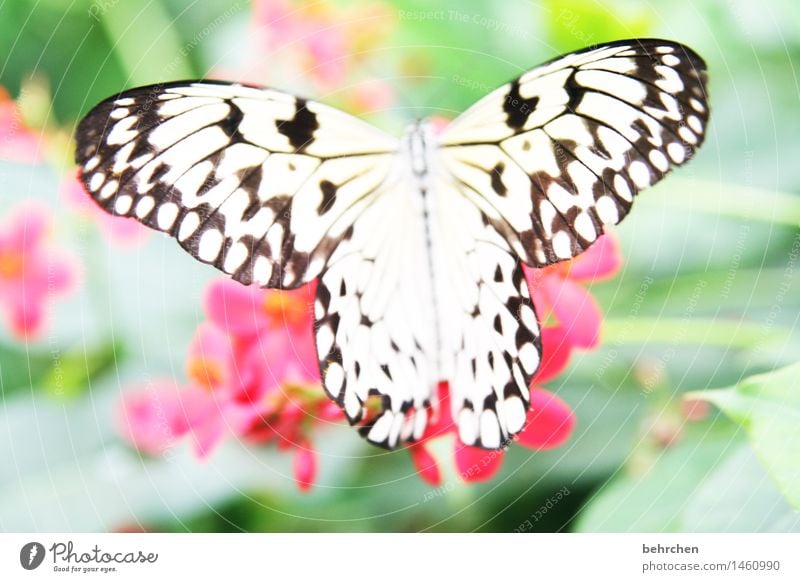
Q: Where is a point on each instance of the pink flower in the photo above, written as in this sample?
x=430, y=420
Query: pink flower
x=151, y=417
x=121, y=230
x=17, y=142
x=558, y=294
x=273, y=326
x=326, y=39
x=32, y=272
x=250, y=376
x=549, y=424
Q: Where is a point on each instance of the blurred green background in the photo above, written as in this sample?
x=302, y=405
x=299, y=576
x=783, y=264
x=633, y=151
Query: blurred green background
x=708, y=295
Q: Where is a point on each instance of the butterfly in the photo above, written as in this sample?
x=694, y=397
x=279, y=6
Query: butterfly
x=416, y=243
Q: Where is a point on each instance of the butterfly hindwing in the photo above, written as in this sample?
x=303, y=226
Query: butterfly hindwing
x=258, y=183
x=489, y=336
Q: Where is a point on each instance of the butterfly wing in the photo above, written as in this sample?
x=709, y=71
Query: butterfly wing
x=426, y=290
x=489, y=344
x=258, y=183
x=548, y=161
x=375, y=315
x=559, y=153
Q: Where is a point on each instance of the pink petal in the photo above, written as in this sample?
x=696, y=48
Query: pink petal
x=426, y=464
x=441, y=420
x=475, y=464
x=207, y=436
x=122, y=230
x=576, y=310
x=26, y=226
x=556, y=349
x=305, y=467
x=237, y=309
x=62, y=273
x=27, y=318
x=149, y=418
x=600, y=261
x=209, y=357
x=17, y=142
x=550, y=421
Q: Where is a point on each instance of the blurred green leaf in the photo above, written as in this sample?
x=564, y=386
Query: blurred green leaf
x=148, y=45
x=59, y=374
x=20, y=369
x=767, y=406
x=709, y=482
x=655, y=499
x=72, y=373
x=739, y=497
x=575, y=24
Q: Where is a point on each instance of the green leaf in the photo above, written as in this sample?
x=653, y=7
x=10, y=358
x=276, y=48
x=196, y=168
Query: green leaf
x=767, y=406
x=72, y=373
x=20, y=369
x=574, y=24
x=739, y=497
x=654, y=499
x=58, y=373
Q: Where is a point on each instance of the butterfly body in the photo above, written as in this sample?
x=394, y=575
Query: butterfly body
x=417, y=244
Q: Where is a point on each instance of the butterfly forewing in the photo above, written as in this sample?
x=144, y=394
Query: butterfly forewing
x=558, y=154
x=256, y=182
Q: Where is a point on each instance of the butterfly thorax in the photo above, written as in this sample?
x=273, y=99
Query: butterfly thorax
x=418, y=142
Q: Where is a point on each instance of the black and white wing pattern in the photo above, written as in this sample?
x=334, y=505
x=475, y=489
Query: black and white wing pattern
x=258, y=183
x=417, y=244
x=559, y=153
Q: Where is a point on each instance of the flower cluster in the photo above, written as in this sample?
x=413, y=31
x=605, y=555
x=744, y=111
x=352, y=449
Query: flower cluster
x=327, y=43
x=32, y=270
x=252, y=372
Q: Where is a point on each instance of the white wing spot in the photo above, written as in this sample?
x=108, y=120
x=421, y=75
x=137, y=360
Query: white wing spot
x=91, y=164
x=145, y=206
x=607, y=210
x=109, y=189
x=262, y=270
x=561, y=245
x=189, y=224
x=695, y=124
x=515, y=414
x=167, y=213
x=210, y=245
x=686, y=134
x=659, y=160
x=119, y=113
x=96, y=181
x=676, y=152
x=697, y=105
x=670, y=60
x=324, y=340
x=584, y=227
x=622, y=188
x=529, y=358
x=334, y=378
x=122, y=204
x=639, y=173
x=235, y=257
x=467, y=427
x=490, y=430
